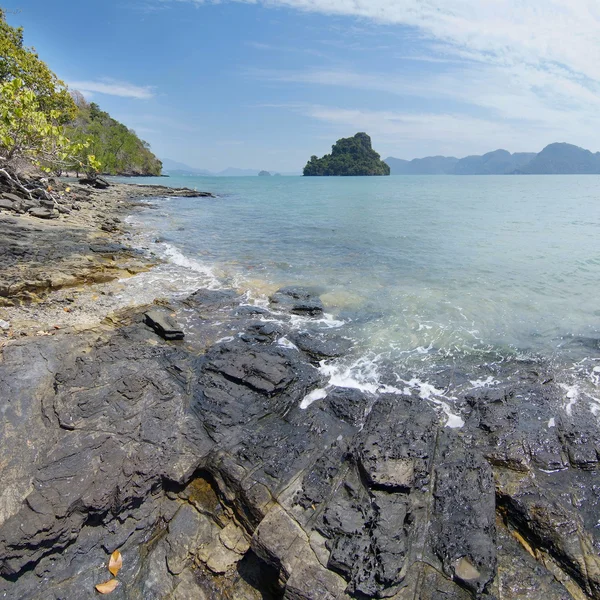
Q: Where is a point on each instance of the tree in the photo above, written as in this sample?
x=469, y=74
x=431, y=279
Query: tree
x=19, y=62
x=28, y=132
x=349, y=156
x=42, y=121
x=117, y=147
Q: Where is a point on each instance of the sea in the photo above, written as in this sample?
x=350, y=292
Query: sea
x=437, y=280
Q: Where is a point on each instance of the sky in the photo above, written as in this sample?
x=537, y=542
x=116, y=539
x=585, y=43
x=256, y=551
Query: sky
x=265, y=84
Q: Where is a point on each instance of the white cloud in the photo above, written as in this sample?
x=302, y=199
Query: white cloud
x=112, y=87
x=529, y=70
x=506, y=32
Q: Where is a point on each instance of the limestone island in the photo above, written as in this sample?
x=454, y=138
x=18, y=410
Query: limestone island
x=349, y=156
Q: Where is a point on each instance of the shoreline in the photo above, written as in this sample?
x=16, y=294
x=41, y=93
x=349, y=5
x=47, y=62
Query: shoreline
x=57, y=269
x=228, y=464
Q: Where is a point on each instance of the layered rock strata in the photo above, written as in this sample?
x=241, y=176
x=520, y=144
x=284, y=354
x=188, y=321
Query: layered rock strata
x=197, y=461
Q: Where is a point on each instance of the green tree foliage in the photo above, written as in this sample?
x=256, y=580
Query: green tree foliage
x=349, y=156
x=119, y=149
x=41, y=121
x=34, y=105
x=19, y=62
x=27, y=132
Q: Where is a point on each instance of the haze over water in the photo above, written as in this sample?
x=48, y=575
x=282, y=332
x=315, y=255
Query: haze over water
x=419, y=268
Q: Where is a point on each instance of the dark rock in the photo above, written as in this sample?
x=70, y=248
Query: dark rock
x=43, y=213
x=96, y=182
x=298, y=300
x=464, y=531
x=25, y=205
x=111, y=248
x=8, y=205
x=349, y=405
x=198, y=464
x=213, y=299
x=11, y=197
x=262, y=332
x=248, y=311
x=320, y=348
x=164, y=325
x=109, y=227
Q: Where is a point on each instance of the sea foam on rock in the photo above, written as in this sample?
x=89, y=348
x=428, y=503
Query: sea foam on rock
x=199, y=464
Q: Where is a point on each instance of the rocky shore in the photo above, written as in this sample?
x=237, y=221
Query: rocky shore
x=224, y=465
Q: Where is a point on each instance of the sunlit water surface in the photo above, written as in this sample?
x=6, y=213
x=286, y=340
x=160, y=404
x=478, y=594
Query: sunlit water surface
x=421, y=272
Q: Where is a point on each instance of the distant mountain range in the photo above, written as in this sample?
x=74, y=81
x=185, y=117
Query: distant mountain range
x=172, y=167
x=558, y=158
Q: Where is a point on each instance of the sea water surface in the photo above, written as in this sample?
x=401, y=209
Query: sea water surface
x=422, y=272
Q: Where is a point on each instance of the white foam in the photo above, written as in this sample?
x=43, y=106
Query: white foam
x=361, y=375
x=551, y=422
x=326, y=320
x=572, y=395
x=175, y=256
x=425, y=390
x=429, y=392
x=454, y=421
x=483, y=383
x=285, y=343
x=318, y=394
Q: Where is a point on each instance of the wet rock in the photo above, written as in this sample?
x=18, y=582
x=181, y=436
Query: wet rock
x=464, y=515
x=262, y=332
x=297, y=300
x=212, y=300
x=164, y=325
x=349, y=405
x=199, y=465
x=320, y=348
x=248, y=311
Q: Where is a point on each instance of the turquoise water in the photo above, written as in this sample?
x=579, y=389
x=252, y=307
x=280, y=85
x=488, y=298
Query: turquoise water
x=418, y=268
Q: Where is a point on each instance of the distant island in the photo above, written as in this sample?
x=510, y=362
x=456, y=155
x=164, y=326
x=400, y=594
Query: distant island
x=349, y=156
x=554, y=159
x=264, y=174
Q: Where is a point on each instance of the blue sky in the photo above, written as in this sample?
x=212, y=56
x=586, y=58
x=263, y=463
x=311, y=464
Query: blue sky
x=266, y=83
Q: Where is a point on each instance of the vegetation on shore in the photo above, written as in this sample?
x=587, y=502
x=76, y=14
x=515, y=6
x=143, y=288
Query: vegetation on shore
x=118, y=148
x=43, y=123
x=349, y=156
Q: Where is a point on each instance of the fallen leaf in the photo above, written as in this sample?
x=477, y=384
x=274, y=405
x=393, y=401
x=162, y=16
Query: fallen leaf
x=107, y=587
x=115, y=563
x=68, y=189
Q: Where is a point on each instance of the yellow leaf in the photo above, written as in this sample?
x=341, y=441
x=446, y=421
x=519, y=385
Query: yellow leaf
x=115, y=563
x=107, y=587
x=68, y=189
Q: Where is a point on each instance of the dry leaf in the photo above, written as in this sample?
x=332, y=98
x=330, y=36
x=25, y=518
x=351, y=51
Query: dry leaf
x=115, y=563
x=68, y=189
x=107, y=587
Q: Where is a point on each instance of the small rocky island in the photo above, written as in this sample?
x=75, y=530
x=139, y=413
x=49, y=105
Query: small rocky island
x=349, y=156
